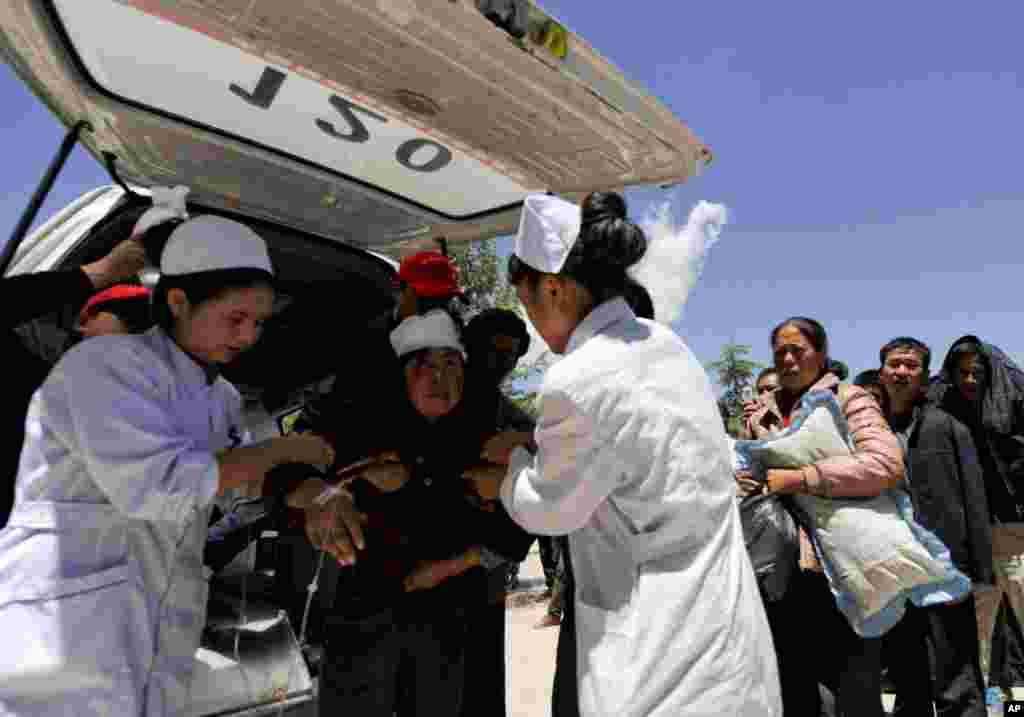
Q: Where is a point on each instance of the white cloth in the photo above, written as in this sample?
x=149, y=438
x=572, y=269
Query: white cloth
x=212, y=243
x=548, y=229
x=101, y=563
x=634, y=463
x=168, y=204
x=433, y=330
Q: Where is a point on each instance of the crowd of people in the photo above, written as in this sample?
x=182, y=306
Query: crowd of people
x=426, y=485
x=953, y=442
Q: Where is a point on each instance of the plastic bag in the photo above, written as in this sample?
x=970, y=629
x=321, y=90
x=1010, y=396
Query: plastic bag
x=773, y=543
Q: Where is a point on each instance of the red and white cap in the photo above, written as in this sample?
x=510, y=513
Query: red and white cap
x=120, y=292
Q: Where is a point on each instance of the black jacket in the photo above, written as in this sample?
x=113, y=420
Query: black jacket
x=996, y=422
x=25, y=298
x=947, y=486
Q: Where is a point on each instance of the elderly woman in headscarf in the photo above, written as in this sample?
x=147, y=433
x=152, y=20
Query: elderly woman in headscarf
x=984, y=388
x=418, y=543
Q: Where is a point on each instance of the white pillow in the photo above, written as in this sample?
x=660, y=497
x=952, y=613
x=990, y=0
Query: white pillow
x=875, y=555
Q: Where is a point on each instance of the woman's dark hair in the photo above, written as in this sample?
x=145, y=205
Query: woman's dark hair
x=136, y=313
x=608, y=245
x=496, y=322
x=639, y=299
x=202, y=287
x=840, y=369
x=813, y=331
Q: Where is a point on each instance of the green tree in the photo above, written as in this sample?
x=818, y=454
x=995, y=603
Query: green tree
x=733, y=371
x=482, y=276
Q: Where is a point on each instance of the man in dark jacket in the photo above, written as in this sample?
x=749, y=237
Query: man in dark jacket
x=933, y=652
x=981, y=386
x=27, y=297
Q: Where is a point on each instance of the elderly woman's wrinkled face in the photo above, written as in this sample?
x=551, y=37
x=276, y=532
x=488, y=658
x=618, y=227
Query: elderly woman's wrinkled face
x=798, y=363
x=434, y=381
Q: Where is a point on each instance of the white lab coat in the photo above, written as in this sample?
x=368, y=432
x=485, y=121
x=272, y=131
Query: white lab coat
x=101, y=564
x=633, y=462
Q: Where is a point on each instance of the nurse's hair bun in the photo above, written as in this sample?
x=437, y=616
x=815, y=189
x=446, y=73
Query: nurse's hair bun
x=607, y=237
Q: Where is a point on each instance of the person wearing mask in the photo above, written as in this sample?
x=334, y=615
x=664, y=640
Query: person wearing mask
x=495, y=340
x=984, y=389
x=932, y=653
x=416, y=551
x=850, y=666
x=632, y=462
x=127, y=443
x=121, y=309
x=27, y=297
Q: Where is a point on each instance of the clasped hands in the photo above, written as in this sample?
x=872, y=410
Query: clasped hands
x=337, y=525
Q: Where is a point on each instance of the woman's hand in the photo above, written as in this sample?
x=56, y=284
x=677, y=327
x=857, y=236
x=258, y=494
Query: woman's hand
x=386, y=472
x=486, y=479
x=337, y=527
x=747, y=485
x=305, y=448
x=749, y=409
x=123, y=262
x=785, y=480
x=499, y=447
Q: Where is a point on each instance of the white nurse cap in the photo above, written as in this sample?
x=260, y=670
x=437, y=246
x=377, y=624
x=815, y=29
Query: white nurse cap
x=548, y=229
x=211, y=243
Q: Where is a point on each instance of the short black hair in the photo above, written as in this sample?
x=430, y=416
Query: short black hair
x=136, y=312
x=608, y=244
x=871, y=377
x=496, y=322
x=639, y=299
x=907, y=343
x=201, y=287
x=770, y=371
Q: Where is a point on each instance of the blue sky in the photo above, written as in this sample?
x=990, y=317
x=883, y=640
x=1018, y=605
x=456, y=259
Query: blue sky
x=869, y=154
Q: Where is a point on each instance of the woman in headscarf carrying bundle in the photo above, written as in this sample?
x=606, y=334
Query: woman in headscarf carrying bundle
x=127, y=444
x=633, y=463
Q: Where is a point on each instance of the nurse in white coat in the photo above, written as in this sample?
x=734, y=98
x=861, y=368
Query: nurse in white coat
x=632, y=462
x=102, y=584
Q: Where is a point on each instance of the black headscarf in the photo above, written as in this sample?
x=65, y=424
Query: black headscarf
x=997, y=419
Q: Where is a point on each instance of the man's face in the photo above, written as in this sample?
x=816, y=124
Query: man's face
x=767, y=384
x=971, y=377
x=903, y=374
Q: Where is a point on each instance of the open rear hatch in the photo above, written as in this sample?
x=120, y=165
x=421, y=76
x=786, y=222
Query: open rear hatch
x=379, y=123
